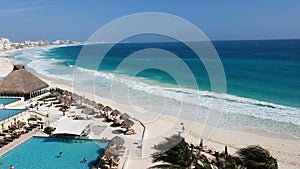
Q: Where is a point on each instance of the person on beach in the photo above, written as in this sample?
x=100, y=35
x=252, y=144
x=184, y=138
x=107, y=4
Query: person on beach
x=182, y=127
x=60, y=154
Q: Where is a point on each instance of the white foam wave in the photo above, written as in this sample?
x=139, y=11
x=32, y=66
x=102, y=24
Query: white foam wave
x=36, y=60
x=234, y=104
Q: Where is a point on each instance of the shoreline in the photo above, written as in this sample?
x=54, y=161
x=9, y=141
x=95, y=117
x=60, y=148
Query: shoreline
x=281, y=146
x=285, y=149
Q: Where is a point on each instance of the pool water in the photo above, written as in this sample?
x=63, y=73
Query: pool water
x=43, y=153
x=4, y=100
x=7, y=113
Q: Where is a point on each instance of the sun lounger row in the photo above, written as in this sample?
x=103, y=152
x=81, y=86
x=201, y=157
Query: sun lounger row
x=7, y=140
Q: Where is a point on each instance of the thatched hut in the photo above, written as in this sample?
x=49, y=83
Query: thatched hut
x=21, y=83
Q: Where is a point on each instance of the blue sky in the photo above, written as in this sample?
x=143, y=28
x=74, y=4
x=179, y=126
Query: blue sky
x=219, y=20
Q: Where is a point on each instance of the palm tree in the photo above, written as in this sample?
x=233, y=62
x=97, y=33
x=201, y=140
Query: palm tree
x=256, y=157
x=225, y=161
x=175, y=153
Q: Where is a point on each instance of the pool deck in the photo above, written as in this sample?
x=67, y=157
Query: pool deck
x=21, y=140
x=99, y=129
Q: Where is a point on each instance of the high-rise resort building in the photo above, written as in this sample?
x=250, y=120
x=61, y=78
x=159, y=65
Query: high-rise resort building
x=21, y=83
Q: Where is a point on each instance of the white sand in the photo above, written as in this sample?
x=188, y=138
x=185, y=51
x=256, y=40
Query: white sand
x=284, y=148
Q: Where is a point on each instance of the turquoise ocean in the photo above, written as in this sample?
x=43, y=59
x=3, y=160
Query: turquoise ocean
x=262, y=77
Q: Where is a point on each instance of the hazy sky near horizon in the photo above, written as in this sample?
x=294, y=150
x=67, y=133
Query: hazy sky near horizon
x=219, y=20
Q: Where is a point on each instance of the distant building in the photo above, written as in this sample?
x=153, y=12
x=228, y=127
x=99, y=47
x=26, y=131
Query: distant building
x=5, y=44
x=34, y=43
x=64, y=42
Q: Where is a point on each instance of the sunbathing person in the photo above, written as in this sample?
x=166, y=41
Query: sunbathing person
x=130, y=131
x=116, y=162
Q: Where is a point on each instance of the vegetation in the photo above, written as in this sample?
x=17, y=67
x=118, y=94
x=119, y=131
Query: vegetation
x=49, y=130
x=175, y=153
x=34, y=119
x=256, y=157
x=2, y=125
x=45, y=98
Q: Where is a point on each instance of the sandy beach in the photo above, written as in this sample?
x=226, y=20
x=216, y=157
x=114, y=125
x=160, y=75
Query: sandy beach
x=285, y=149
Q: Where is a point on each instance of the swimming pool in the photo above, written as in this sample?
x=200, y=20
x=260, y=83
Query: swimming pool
x=43, y=153
x=7, y=113
x=7, y=100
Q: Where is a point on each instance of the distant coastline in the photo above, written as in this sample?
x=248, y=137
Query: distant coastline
x=282, y=147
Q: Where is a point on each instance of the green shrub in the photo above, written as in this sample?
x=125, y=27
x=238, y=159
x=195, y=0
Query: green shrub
x=44, y=98
x=49, y=130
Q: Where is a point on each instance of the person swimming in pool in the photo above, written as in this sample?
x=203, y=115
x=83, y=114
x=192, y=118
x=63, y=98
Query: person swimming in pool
x=84, y=160
x=60, y=154
x=11, y=167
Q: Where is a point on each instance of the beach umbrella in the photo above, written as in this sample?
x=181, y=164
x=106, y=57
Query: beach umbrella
x=75, y=97
x=54, y=93
x=127, y=123
x=69, y=93
x=81, y=107
x=118, y=141
x=94, y=103
x=99, y=106
x=65, y=92
x=69, y=102
x=111, y=152
x=107, y=108
x=80, y=99
x=59, y=97
x=87, y=111
x=62, y=100
x=115, y=113
x=124, y=116
x=88, y=101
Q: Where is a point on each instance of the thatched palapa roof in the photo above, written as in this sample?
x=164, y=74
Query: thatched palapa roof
x=20, y=81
